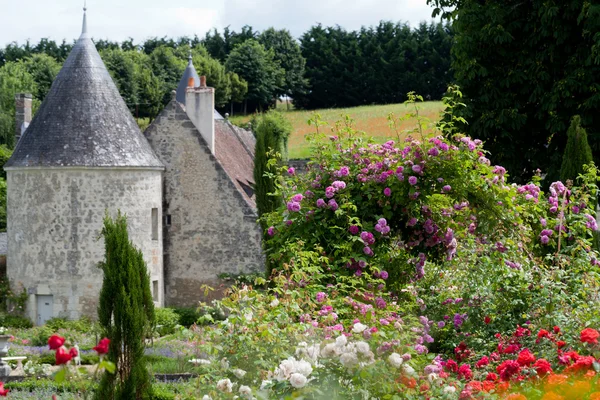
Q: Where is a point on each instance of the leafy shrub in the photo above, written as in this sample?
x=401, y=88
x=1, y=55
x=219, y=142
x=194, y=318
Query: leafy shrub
x=82, y=325
x=187, y=315
x=40, y=335
x=15, y=321
x=166, y=320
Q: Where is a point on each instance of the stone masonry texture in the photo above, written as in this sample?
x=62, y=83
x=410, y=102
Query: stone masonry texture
x=55, y=217
x=212, y=228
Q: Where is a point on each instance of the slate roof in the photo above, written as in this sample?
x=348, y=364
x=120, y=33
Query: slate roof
x=235, y=159
x=190, y=72
x=83, y=121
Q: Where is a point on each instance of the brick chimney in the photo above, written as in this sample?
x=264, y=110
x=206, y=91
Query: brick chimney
x=200, y=108
x=23, y=102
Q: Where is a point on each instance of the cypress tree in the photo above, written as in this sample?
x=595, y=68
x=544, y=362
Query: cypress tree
x=125, y=313
x=577, y=152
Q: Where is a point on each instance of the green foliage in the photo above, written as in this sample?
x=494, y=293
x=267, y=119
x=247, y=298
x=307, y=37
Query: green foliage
x=375, y=65
x=272, y=131
x=188, y=316
x=43, y=69
x=287, y=52
x=125, y=312
x=260, y=69
x=15, y=321
x=81, y=325
x=577, y=152
x=11, y=300
x=14, y=78
x=525, y=68
x=166, y=320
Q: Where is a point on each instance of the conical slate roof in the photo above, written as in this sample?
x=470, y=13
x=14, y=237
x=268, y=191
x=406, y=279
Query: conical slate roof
x=190, y=72
x=83, y=121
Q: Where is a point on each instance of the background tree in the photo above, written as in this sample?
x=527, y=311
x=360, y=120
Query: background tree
x=525, y=68
x=125, y=313
x=257, y=66
x=287, y=52
x=577, y=152
x=14, y=78
x=43, y=68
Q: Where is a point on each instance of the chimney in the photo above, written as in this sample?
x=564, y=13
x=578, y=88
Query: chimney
x=200, y=108
x=23, y=102
x=190, y=82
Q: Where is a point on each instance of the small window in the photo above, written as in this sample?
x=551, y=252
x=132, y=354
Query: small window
x=155, y=224
x=155, y=290
x=168, y=220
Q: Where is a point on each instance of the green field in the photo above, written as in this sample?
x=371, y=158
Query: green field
x=371, y=119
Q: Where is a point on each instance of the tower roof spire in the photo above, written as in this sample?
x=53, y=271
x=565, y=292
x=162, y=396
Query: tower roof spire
x=84, y=26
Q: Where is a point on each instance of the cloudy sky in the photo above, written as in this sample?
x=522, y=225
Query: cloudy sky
x=140, y=19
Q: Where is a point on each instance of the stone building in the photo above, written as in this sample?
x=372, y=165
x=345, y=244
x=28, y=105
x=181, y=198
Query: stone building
x=185, y=188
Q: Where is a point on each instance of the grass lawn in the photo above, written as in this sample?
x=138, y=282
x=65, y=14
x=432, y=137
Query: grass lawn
x=370, y=119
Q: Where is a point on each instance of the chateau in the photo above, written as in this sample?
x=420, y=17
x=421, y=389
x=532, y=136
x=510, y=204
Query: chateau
x=185, y=186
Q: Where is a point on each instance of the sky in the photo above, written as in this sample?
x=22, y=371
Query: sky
x=118, y=20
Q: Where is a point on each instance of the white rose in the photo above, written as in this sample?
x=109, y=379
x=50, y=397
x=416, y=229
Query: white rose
x=224, y=363
x=225, y=385
x=396, y=360
x=449, y=389
x=298, y=380
x=239, y=373
x=362, y=347
x=303, y=367
x=245, y=391
x=274, y=303
x=265, y=383
x=408, y=370
x=285, y=369
x=432, y=377
x=248, y=316
x=358, y=327
x=341, y=341
x=348, y=360
x=330, y=350
x=206, y=397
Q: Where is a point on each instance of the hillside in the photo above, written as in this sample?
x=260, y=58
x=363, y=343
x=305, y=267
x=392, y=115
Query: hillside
x=371, y=119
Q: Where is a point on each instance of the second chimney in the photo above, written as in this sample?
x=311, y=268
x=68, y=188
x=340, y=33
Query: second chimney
x=200, y=108
x=23, y=105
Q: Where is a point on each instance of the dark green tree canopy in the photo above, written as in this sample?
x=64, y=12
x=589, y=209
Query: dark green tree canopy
x=525, y=68
x=257, y=66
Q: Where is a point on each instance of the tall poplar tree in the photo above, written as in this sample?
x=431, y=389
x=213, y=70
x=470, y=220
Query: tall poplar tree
x=577, y=153
x=125, y=313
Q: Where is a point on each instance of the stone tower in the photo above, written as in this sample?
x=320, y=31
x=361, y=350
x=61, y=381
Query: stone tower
x=82, y=156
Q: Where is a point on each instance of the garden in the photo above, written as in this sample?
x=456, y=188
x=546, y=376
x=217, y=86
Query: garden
x=411, y=269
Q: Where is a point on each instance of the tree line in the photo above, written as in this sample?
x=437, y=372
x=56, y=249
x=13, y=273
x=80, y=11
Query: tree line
x=250, y=70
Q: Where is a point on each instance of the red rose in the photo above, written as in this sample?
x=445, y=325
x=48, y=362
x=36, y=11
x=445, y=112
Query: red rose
x=483, y=362
x=507, y=369
x=487, y=320
x=589, y=335
x=55, y=342
x=451, y=366
x=488, y=385
x=561, y=344
x=102, y=347
x=73, y=352
x=62, y=356
x=556, y=329
x=465, y=372
x=492, y=377
x=3, y=392
x=582, y=364
x=543, y=334
x=542, y=367
x=525, y=358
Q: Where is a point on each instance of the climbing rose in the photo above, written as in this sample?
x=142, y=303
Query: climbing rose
x=387, y=192
x=525, y=358
x=55, y=342
x=412, y=180
x=321, y=297
x=589, y=335
x=321, y=203
x=542, y=367
x=102, y=347
x=62, y=356
x=3, y=392
x=353, y=229
x=291, y=171
x=271, y=231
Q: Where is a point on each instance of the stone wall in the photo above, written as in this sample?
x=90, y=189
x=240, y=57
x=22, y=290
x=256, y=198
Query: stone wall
x=210, y=228
x=55, y=217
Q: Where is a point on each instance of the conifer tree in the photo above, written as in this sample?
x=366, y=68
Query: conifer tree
x=125, y=313
x=577, y=152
